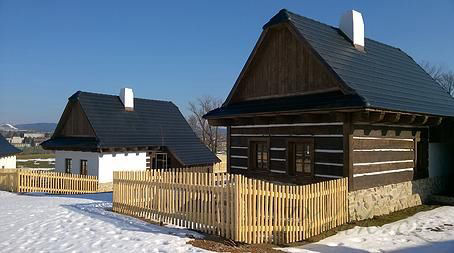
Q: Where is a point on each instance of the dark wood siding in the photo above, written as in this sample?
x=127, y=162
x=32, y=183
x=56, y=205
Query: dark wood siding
x=384, y=155
x=76, y=123
x=283, y=66
x=328, y=147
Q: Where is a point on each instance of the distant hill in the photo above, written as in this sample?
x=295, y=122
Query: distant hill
x=7, y=127
x=38, y=127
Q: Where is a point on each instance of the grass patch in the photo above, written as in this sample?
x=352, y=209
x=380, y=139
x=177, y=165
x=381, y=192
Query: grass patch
x=32, y=165
x=34, y=156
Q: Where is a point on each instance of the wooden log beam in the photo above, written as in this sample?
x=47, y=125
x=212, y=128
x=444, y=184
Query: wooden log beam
x=337, y=116
x=263, y=120
x=407, y=119
x=358, y=117
x=421, y=120
x=434, y=121
x=376, y=117
x=391, y=118
x=220, y=122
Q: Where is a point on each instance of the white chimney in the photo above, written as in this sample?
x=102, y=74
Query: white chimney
x=127, y=98
x=352, y=25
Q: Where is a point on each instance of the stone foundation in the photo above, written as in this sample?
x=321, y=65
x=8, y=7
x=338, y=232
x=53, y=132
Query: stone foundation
x=368, y=203
x=105, y=187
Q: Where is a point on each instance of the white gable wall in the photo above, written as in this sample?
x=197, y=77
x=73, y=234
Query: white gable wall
x=101, y=165
x=8, y=162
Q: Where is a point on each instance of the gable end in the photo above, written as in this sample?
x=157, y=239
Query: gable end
x=74, y=122
x=281, y=65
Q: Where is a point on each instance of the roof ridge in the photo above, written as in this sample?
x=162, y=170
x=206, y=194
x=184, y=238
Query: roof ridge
x=285, y=15
x=78, y=93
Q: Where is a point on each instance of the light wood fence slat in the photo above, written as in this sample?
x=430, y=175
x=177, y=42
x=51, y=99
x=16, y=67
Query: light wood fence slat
x=21, y=180
x=232, y=206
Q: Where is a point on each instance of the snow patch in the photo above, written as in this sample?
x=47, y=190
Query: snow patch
x=431, y=231
x=81, y=223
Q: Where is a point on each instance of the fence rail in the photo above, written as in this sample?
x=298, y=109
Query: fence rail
x=232, y=206
x=18, y=180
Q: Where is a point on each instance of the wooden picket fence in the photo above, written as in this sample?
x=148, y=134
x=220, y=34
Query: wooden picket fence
x=8, y=180
x=232, y=206
x=19, y=180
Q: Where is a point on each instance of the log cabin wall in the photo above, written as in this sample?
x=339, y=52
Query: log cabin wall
x=328, y=155
x=386, y=155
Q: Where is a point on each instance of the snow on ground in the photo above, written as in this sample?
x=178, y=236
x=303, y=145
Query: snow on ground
x=80, y=223
x=431, y=231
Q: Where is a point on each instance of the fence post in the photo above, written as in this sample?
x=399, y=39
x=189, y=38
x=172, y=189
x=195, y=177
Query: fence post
x=17, y=181
x=237, y=212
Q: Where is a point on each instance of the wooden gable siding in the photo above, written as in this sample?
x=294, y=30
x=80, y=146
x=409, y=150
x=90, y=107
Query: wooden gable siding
x=387, y=155
x=283, y=66
x=75, y=123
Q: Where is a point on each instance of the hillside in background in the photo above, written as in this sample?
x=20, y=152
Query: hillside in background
x=38, y=127
x=7, y=127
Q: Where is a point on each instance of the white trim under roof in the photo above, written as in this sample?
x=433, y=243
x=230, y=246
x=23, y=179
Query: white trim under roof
x=330, y=164
x=238, y=167
x=381, y=172
x=381, y=138
x=336, y=151
x=385, y=162
x=279, y=171
x=237, y=147
x=278, y=159
x=239, y=156
x=291, y=125
x=384, y=150
x=290, y=135
x=327, y=176
x=278, y=149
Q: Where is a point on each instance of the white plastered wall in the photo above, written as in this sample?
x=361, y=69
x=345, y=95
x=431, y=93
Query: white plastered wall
x=8, y=162
x=109, y=162
x=91, y=157
x=101, y=165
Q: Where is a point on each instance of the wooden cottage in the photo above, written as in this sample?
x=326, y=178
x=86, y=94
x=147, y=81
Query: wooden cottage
x=316, y=102
x=98, y=134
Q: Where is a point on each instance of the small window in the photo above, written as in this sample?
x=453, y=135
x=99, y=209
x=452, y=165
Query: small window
x=302, y=157
x=160, y=161
x=299, y=157
x=83, y=167
x=260, y=155
x=68, y=165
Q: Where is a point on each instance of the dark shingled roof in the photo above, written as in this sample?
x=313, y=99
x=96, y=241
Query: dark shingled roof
x=152, y=123
x=6, y=149
x=384, y=77
x=322, y=101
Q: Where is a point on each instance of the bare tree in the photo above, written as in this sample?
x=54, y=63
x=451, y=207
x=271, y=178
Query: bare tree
x=209, y=135
x=444, y=78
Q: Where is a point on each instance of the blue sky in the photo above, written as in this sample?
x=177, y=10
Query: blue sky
x=172, y=50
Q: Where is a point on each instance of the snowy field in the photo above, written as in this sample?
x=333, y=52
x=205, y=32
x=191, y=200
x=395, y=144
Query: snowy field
x=431, y=232
x=81, y=223
x=44, y=223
